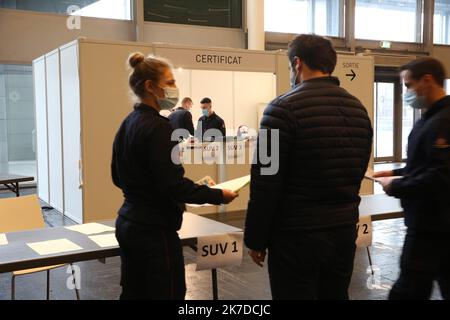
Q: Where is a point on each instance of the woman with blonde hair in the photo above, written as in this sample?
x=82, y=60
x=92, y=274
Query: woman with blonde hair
x=154, y=188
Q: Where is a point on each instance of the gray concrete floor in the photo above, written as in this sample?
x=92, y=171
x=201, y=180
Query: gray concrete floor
x=246, y=282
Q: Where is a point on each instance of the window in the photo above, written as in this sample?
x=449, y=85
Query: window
x=442, y=22
x=17, y=150
x=384, y=120
x=395, y=20
x=110, y=9
x=324, y=17
x=447, y=86
x=213, y=13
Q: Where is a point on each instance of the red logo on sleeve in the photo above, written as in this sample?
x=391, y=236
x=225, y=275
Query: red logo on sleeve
x=441, y=143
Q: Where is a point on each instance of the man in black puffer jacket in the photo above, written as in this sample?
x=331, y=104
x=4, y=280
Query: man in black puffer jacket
x=306, y=213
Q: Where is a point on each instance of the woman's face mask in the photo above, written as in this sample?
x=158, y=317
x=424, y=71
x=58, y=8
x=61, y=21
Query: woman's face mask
x=171, y=97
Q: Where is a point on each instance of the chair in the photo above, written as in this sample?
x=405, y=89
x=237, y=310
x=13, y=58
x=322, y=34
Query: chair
x=21, y=214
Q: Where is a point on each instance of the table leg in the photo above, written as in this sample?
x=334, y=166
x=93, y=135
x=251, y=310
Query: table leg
x=17, y=189
x=214, y=284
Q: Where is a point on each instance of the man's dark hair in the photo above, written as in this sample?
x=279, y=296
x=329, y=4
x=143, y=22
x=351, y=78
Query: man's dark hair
x=315, y=51
x=426, y=65
x=206, y=100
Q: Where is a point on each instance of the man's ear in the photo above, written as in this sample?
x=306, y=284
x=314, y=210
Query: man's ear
x=297, y=64
x=428, y=79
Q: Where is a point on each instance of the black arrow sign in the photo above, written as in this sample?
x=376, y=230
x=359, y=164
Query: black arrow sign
x=353, y=75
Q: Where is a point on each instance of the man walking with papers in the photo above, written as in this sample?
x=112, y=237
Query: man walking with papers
x=424, y=189
x=305, y=215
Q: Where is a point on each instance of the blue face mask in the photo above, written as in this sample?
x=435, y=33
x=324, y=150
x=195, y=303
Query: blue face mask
x=205, y=112
x=417, y=102
x=294, y=80
x=170, y=100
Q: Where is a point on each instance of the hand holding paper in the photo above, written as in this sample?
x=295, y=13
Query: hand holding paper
x=207, y=181
x=229, y=195
x=234, y=185
x=386, y=182
x=229, y=188
x=382, y=174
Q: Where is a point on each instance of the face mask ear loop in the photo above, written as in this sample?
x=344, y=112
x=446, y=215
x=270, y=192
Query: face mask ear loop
x=294, y=82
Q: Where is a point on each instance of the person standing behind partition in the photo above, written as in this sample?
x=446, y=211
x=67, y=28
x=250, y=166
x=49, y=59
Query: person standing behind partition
x=424, y=188
x=305, y=213
x=181, y=118
x=210, y=126
x=147, y=170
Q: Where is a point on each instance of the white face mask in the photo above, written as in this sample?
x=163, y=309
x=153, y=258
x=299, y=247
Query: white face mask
x=171, y=97
x=412, y=99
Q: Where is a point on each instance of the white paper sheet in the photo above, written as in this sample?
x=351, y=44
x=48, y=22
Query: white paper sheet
x=91, y=228
x=369, y=174
x=3, y=240
x=193, y=205
x=53, y=246
x=105, y=240
x=234, y=185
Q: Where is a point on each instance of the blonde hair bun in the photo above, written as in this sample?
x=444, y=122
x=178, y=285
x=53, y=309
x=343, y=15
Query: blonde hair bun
x=135, y=59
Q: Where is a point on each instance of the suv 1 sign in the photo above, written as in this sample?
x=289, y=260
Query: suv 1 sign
x=219, y=251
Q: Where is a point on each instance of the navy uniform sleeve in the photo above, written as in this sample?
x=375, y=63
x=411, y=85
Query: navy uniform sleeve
x=222, y=128
x=266, y=190
x=114, y=173
x=188, y=125
x=169, y=176
x=435, y=177
x=399, y=172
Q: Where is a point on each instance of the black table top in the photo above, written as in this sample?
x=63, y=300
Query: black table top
x=12, y=178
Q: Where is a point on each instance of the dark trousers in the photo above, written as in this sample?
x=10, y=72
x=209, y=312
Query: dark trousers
x=152, y=262
x=425, y=258
x=315, y=265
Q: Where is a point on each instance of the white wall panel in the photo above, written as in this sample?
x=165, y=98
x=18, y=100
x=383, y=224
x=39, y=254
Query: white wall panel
x=40, y=95
x=70, y=99
x=54, y=131
x=218, y=86
x=250, y=90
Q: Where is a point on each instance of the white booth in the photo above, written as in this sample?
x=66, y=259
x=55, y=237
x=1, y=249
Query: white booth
x=82, y=96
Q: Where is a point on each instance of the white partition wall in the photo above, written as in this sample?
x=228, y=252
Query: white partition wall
x=40, y=98
x=106, y=100
x=250, y=90
x=183, y=81
x=218, y=86
x=70, y=100
x=54, y=129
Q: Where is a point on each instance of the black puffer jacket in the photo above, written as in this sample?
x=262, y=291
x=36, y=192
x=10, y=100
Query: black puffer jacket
x=325, y=142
